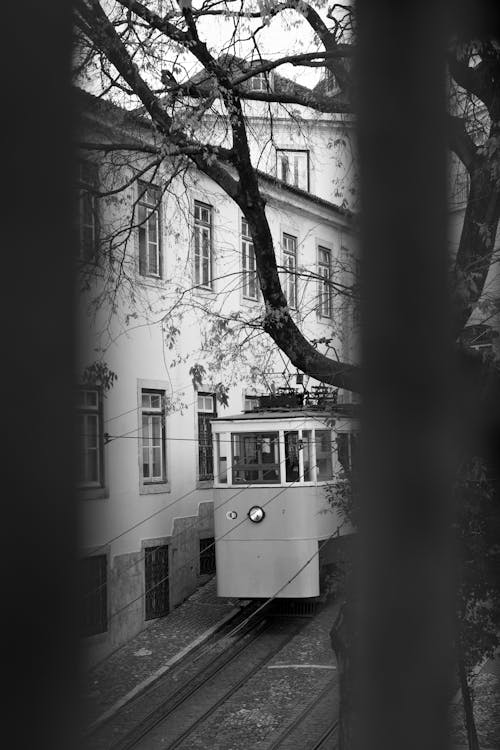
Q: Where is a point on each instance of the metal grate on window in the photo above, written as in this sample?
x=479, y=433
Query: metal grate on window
x=156, y=581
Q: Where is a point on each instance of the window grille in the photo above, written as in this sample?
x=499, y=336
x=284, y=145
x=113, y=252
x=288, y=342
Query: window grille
x=206, y=411
x=156, y=581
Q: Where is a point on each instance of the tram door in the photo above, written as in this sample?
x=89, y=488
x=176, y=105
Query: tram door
x=156, y=581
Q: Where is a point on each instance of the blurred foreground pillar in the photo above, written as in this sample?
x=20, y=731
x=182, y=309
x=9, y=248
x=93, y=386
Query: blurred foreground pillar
x=404, y=663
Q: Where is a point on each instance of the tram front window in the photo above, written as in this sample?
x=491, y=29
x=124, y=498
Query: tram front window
x=256, y=457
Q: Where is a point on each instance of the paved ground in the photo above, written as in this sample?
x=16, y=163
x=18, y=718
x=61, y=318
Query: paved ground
x=111, y=683
x=127, y=671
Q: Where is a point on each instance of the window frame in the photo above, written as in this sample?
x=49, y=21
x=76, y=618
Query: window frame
x=324, y=311
x=259, y=466
x=147, y=485
x=87, y=188
x=261, y=81
x=198, y=258
x=97, y=412
x=154, y=415
x=290, y=267
x=152, y=210
x=249, y=273
x=295, y=182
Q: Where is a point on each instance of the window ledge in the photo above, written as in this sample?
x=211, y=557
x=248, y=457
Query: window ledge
x=92, y=493
x=154, y=489
x=153, y=281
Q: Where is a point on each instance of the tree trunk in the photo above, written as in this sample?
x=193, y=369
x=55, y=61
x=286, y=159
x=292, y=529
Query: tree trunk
x=470, y=724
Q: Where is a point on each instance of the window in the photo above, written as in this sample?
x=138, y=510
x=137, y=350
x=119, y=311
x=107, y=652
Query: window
x=324, y=467
x=207, y=556
x=206, y=412
x=203, y=244
x=256, y=458
x=261, y=82
x=347, y=450
x=292, y=167
x=290, y=263
x=89, y=420
x=292, y=456
x=88, y=224
x=252, y=402
x=330, y=81
x=156, y=581
x=153, y=436
x=325, y=290
x=149, y=230
x=94, y=595
x=249, y=269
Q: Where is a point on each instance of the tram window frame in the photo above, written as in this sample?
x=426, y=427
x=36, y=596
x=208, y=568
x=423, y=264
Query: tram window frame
x=242, y=467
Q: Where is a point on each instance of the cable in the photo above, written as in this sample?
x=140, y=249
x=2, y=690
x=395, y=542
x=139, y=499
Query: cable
x=192, y=526
x=190, y=560
x=166, y=507
x=195, y=524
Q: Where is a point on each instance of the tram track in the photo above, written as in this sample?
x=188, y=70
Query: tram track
x=182, y=712
x=302, y=730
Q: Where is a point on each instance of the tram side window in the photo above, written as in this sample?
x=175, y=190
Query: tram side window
x=256, y=458
x=306, y=455
x=222, y=452
x=324, y=454
x=292, y=456
x=347, y=450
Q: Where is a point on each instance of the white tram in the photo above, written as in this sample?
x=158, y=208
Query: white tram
x=270, y=509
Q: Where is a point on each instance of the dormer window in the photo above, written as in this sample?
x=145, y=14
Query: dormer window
x=330, y=81
x=261, y=82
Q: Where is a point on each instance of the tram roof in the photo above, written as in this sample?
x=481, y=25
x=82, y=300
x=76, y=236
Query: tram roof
x=285, y=414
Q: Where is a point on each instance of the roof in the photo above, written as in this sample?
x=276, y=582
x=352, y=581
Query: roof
x=339, y=411
x=137, y=117
x=277, y=414
x=238, y=65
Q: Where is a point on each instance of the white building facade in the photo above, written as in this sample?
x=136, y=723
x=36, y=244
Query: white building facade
x=169, y=340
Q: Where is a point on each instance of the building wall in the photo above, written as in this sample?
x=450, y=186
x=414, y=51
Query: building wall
x=126, y=321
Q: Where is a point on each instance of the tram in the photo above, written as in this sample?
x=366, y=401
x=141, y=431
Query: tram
x=271, y=513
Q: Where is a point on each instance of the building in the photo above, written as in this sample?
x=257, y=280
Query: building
x=169, y=302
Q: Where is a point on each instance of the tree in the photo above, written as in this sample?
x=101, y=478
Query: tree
x=121, y=44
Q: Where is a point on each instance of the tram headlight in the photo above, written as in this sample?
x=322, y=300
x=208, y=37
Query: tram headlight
x=256, y=514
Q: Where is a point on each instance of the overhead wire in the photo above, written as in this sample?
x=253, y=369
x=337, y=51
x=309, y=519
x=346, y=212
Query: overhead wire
x=192, y=526
x=216, y=540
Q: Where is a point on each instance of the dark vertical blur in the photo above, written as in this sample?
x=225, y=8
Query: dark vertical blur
x=409, y=384
x=38, y=647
